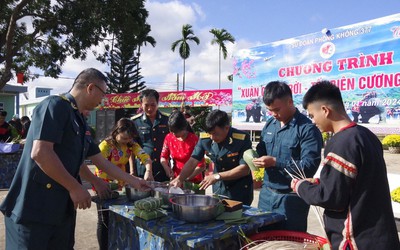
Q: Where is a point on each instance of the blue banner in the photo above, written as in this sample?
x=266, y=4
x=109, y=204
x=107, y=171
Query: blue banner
x=361, y=59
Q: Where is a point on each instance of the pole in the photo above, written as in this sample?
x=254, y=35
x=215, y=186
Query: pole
x=177, y=82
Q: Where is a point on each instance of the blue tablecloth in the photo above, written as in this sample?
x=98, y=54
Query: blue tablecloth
x=126, y=231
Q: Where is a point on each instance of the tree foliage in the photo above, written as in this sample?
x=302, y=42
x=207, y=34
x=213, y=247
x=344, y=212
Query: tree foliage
x=221, y=36
x=184, y=48
x=43, y=33
x=124, y=76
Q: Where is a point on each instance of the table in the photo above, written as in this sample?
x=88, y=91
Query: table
x=126, y=231
x=8, y=166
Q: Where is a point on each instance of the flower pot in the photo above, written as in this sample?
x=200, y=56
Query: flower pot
x=394, y=150
x=257, y=184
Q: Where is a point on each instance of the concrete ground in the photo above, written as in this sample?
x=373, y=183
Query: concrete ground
x=85, y=234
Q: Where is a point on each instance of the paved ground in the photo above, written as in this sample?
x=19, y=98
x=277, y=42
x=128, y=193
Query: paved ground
x=86, y=221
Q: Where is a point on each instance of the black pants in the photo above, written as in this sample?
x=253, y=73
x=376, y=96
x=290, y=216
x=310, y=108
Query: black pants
x=37, y=236
x=102, y=227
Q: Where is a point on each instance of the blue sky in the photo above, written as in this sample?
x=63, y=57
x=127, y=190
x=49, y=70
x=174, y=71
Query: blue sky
x=268, y=21
x=252, y=23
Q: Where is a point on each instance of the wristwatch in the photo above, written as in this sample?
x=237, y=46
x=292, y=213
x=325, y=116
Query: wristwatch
x=217, y=177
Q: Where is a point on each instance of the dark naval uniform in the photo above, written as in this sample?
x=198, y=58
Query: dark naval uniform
x=34, y=196
x=226, y=156
x=151, y=139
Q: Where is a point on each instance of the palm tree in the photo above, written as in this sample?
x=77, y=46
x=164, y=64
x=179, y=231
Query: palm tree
x=220, y=37
x=142, y=39
x=184, y=48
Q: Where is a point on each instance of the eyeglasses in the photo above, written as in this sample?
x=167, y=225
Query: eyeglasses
x=102, y=91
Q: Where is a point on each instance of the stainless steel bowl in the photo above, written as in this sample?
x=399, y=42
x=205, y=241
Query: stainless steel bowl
x=165, y=195
x=134, y=194
x=195, y=208
x=157, y=184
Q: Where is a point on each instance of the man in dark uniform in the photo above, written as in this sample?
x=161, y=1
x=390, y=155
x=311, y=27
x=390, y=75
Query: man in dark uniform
x=40, y=208
x=225, y=147
x=152, y=126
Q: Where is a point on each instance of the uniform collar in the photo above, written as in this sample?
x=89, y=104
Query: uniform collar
x=292, y=121
x=68, y=97
x=295, y=118
x=158, y=115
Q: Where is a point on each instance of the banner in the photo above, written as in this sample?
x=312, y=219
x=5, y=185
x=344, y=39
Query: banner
x=200, y=98
x=361, y=59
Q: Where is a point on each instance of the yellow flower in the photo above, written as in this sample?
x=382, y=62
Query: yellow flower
x=396, y=195
x=391, y=140
x=259, y=174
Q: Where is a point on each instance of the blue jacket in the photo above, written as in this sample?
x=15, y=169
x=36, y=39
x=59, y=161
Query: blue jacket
x=299, y=140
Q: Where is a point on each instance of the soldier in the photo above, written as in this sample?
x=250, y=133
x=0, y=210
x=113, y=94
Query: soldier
x=40, y=207
x=288, y=139
x=225, y=146
x=152, y=126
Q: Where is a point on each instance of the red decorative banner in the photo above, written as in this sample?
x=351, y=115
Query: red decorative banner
x=199, y=98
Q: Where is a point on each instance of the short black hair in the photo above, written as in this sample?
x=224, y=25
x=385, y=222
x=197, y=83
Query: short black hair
x=326, y=92
x=216, y=118
x=276, y=90
x=177, y=122
x=90, y=75
x=3, y=113
x=25, y=119
x=149, y=93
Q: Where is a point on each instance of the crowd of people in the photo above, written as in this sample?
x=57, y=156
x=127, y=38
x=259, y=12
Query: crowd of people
x=15, y=129
x=40, y=208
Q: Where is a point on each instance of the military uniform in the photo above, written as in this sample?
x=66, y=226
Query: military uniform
x=226, y=156
x=33, y=196
x=151, y=139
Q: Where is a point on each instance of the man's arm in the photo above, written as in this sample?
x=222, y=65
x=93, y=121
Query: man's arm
x=197, y=116
x=102, y=188
x=233, y=174
x=187, y=170
x=43, y=154
x=117, y=173
x=310, y=156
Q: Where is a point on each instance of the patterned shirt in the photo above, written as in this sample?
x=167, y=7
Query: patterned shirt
x=354, y=191
x=120, y=157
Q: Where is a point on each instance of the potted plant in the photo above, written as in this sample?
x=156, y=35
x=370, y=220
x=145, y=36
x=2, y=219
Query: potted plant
x=392, y=142
x=258, y=177
x=395, y=194
x=326, y=136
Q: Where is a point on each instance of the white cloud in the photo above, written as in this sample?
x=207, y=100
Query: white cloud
x=160, y=65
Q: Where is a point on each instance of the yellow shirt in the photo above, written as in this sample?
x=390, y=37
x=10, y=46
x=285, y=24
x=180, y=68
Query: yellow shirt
x=120, y=157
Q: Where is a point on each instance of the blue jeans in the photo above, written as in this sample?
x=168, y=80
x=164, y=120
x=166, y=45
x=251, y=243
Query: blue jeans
x=288, y=204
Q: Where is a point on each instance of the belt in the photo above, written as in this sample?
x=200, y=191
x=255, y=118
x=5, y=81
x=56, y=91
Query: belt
x=281, y=191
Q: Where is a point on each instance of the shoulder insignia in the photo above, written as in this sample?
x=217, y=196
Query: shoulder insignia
x=204, y=135
x=68, y=100
x=166, y=114
x=64, y=98
x=238, y=136
x=136, y=116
